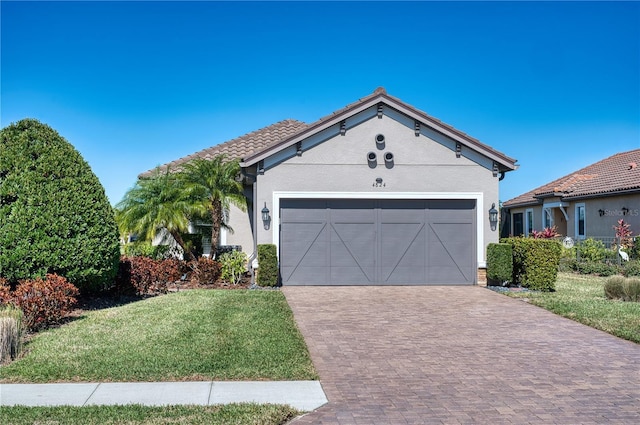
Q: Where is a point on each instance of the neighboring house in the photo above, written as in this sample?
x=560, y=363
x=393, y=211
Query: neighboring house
x=375, y=193
x=583, y=204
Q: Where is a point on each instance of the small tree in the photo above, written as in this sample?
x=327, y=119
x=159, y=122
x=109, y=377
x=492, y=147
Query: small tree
x=212, y=186
x=155, y=204
x=54, y=214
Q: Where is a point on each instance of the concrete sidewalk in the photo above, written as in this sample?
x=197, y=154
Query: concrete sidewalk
x=302, y=395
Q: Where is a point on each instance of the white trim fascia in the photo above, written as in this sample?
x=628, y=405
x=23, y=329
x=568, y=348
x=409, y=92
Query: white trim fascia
x=477, y=196
x=560, y=205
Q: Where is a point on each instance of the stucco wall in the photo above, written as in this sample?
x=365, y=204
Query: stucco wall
x=596, y=224
x=241, y=224
x=424, y=164
x=602, y=225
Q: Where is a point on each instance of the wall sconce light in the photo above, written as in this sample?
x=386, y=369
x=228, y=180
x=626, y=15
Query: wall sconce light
x=266, y=218
x=625, y=210
x=493, y=216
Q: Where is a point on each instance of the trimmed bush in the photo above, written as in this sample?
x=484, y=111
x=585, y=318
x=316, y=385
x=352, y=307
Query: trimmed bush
x=621, y=288
x=56, y=218
x=234, y=266
x=205, y=271
x=596, y=268
x=11, y=331
x=535, y=262
x=499, y=263
x=44, y=302
x=145, y=276
x=632, y=268
x=268, y=265
x=145, y=249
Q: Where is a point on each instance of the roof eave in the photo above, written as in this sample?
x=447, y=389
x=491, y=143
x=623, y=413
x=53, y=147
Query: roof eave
x=505, y=163
x=583, y=196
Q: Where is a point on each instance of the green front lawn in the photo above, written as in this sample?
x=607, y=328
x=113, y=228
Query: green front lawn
x=581, y=298
x=190, y=335
x=238, y=414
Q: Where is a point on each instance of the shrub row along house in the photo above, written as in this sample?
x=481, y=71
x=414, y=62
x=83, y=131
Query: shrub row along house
x=376, y=193
x=583, y=204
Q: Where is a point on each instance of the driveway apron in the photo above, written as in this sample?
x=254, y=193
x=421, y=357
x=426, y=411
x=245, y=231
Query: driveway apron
x=423, y=355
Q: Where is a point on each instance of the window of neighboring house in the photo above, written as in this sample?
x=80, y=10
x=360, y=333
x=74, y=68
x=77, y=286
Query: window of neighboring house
x=581, y=223
x=546, y=218
x=529, y=221
x=518, y=228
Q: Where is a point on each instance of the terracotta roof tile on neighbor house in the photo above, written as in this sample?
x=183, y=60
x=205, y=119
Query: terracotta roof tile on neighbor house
x=617, y=174
x=240, y=146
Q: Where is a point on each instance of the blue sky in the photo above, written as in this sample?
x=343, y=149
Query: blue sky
x=132, y=85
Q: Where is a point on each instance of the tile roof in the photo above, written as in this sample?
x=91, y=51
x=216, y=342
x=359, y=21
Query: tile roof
x=251, y=147
x=619, y=173
x=241, y=146
x=380, y=95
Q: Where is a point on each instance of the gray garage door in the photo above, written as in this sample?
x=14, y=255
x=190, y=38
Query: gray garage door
x=377, y=242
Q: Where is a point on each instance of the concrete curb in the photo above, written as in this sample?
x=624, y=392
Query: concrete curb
x=302, y=395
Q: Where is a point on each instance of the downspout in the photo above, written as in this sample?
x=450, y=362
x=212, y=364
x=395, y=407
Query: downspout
x=254, y=254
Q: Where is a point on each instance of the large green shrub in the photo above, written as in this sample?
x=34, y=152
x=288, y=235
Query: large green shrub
x=54, y=214
x=268, y=265
x=499, y=262
x=145, y=249
x=535, y=262
x=592, y=250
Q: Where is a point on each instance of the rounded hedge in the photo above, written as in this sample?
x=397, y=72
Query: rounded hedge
x=54, y=214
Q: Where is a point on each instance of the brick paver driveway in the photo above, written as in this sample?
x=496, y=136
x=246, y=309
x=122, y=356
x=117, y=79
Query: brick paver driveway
x=398, y=355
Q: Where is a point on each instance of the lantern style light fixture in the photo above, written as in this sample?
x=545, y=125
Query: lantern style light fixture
x=493, y=216
x=266, y=218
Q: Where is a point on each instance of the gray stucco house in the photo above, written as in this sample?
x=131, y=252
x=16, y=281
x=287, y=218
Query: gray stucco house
x=377, y=193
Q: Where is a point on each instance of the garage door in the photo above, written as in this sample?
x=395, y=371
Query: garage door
x=377, y=242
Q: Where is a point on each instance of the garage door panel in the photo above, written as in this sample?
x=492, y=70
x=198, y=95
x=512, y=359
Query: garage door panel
x=353, y=252
x=362, y=242
x=451, y=257
x=352, y=242
x=305, y=243
x=304, y=275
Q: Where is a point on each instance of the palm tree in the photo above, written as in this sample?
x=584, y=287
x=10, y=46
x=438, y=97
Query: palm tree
x=157, y=203
x=214, y=183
